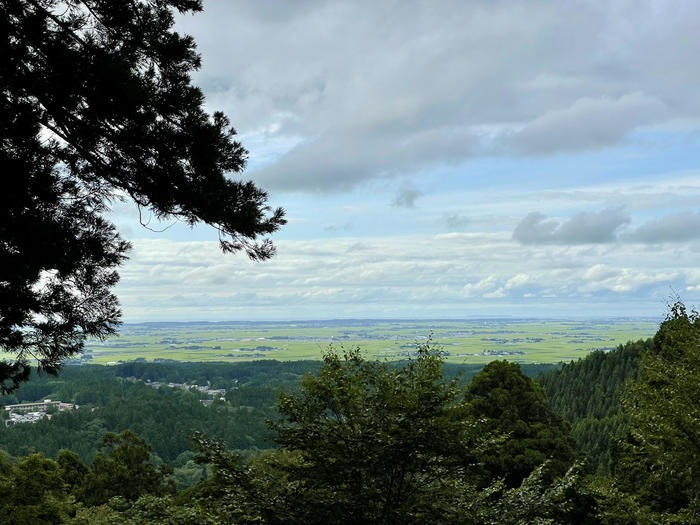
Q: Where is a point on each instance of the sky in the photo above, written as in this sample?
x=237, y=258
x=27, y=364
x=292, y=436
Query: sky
x=448, y=159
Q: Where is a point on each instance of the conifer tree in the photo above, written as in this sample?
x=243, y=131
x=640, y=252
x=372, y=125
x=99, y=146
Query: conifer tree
x=514, y=406
x=663, y=453
x=97, y=104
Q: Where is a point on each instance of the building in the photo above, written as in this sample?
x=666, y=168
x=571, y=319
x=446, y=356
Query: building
x=42, y=406
x=29, y=417
x=33, y=412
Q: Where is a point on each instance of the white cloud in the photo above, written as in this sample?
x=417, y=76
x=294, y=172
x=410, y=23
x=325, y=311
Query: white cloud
x=582, y=228
x=423, y=276
x=480, y=288
x=599, y=272
x=518, y=281
x=496, y=294
x=333, y=94
x=627, y=280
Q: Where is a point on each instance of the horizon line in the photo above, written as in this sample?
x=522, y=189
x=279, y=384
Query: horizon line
x=404, y=319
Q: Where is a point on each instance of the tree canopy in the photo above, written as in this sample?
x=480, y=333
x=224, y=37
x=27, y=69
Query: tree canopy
x=660, y=461
x=363, y=441
x=123, y=470
x=514, y=405
x=378, y=443
x=367, y=441
x=97, y=104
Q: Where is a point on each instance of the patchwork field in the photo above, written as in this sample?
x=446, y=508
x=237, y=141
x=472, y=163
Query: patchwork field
x=462, y=341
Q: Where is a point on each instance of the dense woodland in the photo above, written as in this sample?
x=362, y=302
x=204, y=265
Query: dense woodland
x=609, y=439
x=588, y=394
x=111, y=401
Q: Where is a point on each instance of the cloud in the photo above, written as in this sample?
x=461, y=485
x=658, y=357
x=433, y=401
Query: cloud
x=335, y=94
x=455, y=221
x=341, y=159
x=602, y=277
x=599, y=272
x=406, y=197
x=518, y=281
x=582, y=228
x=417, y=275
x=588, y=123
x=333, y=227
x=679, y=227
x=486, y=288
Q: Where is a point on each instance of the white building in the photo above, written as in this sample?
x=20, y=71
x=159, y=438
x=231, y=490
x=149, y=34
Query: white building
x=33, y=412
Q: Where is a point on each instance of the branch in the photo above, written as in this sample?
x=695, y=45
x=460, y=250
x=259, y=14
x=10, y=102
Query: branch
x=145, y=224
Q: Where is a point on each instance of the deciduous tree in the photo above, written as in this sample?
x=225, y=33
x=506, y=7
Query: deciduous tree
x=32, y=491
x=378, y=443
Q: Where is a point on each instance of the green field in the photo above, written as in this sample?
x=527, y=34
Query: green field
x=463, y=341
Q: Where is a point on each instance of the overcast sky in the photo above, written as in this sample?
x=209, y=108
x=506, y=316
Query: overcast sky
x=446, y=159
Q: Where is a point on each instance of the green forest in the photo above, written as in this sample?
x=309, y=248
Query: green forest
x=608, y=439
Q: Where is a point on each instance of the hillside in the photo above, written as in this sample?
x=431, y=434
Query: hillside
x=587, y=393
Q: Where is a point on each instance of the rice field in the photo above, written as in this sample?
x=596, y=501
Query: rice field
x=461, y=341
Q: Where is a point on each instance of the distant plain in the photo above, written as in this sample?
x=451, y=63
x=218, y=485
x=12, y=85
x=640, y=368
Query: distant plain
x=462, y=341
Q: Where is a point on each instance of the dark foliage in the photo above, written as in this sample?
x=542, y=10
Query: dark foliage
x=376, y=442
x=123, y=469
x=32, y=491
x=97, y=104
x=514, y=406
x=587, y=394
x=165, y=417
x=660, y=458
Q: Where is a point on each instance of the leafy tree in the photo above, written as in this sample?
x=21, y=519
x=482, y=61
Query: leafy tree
x=231, y=494
x=378, y=443
x=73, y=469
x=97, y=104
x=514, y=406
x=124, y=470
x=32, y=491
x=538, y=500
x=154, y=510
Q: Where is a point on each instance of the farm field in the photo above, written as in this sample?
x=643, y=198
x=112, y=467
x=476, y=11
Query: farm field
x=462, y=341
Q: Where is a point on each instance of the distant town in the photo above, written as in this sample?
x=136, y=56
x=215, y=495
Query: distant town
x=211, y=392
x=33, y=412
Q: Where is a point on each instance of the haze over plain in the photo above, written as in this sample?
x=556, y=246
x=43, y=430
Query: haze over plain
x=445, y=160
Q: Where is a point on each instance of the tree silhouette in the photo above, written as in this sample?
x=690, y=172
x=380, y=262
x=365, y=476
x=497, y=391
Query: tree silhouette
x=97, y=105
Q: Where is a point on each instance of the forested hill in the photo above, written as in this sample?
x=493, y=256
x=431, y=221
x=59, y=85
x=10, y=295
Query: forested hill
x=117, y=398
x=587, y=394
x=356, y=440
